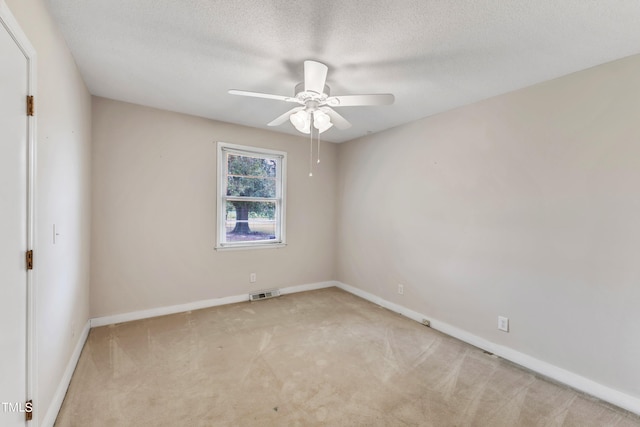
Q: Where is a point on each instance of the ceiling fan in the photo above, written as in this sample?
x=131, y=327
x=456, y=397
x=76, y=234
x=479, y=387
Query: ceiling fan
x=316, y=103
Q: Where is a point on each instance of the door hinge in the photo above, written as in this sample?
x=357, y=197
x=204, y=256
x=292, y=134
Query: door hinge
x=31, y=107
x=29, y=260
x=28, y=410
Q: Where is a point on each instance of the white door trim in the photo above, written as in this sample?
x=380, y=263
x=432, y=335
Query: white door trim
x=11, y=24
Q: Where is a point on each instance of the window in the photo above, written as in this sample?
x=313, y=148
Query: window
x=251, y=197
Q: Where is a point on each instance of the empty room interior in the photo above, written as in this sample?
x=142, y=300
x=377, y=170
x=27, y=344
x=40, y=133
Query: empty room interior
x=320, y=213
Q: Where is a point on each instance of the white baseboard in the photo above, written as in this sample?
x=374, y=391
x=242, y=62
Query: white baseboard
x=58, y=397
x=308, y=287
x=162, y=311
x=578, y=382
x=196, y=305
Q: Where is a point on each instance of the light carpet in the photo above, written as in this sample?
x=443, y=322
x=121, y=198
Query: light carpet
x=319, y=358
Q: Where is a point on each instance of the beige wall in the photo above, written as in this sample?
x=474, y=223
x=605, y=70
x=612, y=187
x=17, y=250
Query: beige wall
x=154, y=212
x=63, y=115
x=526, y=205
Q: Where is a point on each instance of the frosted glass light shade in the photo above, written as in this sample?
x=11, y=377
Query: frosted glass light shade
x=321, y=121
x=301, y=121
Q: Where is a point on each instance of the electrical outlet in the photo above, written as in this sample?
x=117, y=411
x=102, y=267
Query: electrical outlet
x=503, y=323
x=252, y=277
x=401, y=289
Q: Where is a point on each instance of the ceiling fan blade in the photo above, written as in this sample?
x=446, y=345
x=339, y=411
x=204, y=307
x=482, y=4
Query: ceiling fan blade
x=283, y=118
x=338, y=121
x=262, y=95
x=354, y=100
x=315, y=76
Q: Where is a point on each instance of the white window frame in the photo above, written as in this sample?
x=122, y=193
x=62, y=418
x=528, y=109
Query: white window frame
x=280, y=199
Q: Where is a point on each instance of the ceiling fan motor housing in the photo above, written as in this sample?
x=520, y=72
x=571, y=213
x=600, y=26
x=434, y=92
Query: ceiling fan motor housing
x=305, y=96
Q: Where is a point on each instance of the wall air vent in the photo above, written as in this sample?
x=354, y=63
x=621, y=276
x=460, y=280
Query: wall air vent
x=257, y=296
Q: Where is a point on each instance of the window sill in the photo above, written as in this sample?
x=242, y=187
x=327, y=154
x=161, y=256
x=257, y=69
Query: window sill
x=249, y=247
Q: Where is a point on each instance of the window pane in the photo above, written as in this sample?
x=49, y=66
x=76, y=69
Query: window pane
x=249, y=221
x=250, y=187
x=251, y=166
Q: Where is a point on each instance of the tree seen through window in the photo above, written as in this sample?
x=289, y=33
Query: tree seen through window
x=250, y=177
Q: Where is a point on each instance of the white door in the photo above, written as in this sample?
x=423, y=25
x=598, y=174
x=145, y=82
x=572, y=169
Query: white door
x=13, y=230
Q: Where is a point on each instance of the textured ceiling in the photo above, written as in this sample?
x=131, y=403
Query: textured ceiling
x=434, y=55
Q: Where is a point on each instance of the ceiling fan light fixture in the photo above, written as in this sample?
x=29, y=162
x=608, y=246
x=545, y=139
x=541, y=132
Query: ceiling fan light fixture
x=313, y=97
x=301, y=121
x=321, y=121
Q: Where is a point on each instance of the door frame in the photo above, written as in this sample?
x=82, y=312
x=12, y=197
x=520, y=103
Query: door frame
x=13, y=27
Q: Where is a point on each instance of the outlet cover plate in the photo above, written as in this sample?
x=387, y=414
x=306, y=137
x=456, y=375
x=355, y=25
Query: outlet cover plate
x=503, y=323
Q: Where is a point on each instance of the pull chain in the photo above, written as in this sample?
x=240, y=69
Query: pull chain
x=318, y=146
x=311, y=151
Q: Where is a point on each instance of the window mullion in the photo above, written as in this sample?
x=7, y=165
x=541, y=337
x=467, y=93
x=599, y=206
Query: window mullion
x=249, y=199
